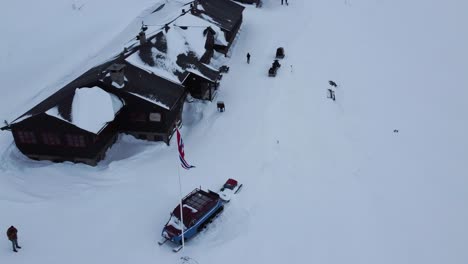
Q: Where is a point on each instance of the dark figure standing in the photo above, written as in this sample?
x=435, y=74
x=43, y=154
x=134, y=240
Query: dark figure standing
x=12, y=234
x=332, y=94
x=276, y=64
x=248, y=57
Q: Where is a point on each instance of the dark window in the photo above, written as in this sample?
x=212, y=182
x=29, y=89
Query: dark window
x=75, y=140
x=26, y=137
x=51, y=139
x=137, y=117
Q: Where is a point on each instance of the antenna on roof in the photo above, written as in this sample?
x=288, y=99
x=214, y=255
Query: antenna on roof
x=6, y=123
x=143, y=26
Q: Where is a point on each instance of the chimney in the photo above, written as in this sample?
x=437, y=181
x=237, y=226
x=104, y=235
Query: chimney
x=116, y=72
x=142, y=37
x=194, y=7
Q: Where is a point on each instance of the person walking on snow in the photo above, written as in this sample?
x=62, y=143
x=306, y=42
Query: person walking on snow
x=12, y=234
x=248, y=57
x=332, y=94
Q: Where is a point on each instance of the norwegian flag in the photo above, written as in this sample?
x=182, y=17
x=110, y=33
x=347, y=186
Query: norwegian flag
x=180, y=145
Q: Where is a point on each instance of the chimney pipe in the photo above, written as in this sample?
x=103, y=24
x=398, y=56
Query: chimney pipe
x=142, y=38
x=194, y=7
x=117, y=74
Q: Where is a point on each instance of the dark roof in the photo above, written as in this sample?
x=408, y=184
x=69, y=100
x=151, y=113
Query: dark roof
x=248, y=1
x=191, y=64
x=63, y=98
x=138, y=81
x=223, y=12
x=150, y=86
x=188, y=62
x=196, y=205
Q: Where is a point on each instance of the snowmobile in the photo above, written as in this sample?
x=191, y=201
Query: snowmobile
x=230, y=188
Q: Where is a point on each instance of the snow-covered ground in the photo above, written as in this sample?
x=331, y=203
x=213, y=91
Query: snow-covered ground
x=324, y=181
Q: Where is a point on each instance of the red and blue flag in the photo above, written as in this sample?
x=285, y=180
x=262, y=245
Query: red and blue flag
x=180, y=145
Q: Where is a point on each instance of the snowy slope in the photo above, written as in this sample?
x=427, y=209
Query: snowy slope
x=324, y=181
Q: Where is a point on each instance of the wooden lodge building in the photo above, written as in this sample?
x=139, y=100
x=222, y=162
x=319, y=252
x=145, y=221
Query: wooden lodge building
x=59, y=128
x=225, y=14
x=140, y=92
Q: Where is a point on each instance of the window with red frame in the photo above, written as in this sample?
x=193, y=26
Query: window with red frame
x=26, y=137
x=75, y=140
x=51, y=139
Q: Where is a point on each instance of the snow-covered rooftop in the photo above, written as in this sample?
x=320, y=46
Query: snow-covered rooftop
x=92, y=109
x=163, y=67
x=185, y=35
x=170, y=53
x=193, y=23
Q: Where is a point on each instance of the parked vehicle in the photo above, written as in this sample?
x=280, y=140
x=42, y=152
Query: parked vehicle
x=198, y=209
x=230, y=188
x=280, y=53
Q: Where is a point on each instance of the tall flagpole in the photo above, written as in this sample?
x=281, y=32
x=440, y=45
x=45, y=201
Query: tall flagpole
x=181, y=211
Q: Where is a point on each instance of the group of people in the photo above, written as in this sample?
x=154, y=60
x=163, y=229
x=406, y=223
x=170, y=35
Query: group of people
x=12, y=234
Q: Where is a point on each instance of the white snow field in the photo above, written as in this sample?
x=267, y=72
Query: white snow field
x=324, y=181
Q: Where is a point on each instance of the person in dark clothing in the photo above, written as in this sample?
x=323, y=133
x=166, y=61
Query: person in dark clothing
x=276, y=64
x=332, y=94
x=248, y=57
x=12, y=234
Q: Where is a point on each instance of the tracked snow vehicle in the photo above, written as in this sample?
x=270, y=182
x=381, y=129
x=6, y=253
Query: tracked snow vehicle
x=198, y=209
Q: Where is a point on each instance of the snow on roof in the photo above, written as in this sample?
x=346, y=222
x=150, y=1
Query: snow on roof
x=92, y=109
x=177, y=42
x=191, y=208
x=164, y=67
x=54, y=111
x=151, y=100
x=186, y=36
x=210, y=19
x=194, y=71
x=164, y=14
x=167, y=12
x=21, y=118
x=195, y=22
x=176, y=223
x=116, y=85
